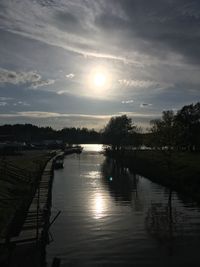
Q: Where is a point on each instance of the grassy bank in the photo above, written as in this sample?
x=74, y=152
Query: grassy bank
x=181, y=172
x=18, y=179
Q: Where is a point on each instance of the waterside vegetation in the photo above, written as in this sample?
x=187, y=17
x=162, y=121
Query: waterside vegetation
x=34, y=135
x=171, y=150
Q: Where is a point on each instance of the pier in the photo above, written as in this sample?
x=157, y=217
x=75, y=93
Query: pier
x=28, y=248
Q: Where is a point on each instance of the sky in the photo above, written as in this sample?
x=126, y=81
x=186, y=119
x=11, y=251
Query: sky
x=76, y=63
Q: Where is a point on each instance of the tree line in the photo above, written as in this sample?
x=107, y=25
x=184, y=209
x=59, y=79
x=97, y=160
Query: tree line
x=30, y=133
x=177, y=131
x=173, y=131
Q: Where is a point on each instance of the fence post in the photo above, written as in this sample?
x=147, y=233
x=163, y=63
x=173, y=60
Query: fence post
x=38, y=207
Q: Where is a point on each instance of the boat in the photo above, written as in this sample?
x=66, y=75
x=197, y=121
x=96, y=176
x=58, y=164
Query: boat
x=78, y=149
x=73, y=149
x=59, y=162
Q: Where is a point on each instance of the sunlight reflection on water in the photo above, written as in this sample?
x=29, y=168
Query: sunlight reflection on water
x=112, y=217
x=98, y=206
x=92, y=147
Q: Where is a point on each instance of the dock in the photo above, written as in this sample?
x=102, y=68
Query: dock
x=38, y=211
x=28, y=248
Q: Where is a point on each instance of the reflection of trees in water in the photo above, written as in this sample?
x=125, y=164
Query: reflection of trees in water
x=164, y=222
x=121, y=183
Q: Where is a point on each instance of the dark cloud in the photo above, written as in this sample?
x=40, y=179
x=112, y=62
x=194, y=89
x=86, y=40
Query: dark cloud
x=144, y=105
x=30, y=78
x=50, y=3
x=111, y=22
x=66, y=21
x=164, y=26
x=176, y=96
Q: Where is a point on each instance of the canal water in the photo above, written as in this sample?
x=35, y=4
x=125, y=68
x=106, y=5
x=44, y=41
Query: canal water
x=111, y=217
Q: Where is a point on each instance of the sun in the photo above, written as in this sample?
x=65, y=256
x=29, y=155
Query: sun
x=99, y=79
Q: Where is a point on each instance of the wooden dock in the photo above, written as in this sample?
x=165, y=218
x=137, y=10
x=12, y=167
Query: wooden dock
x=39, y=209
x=28, y=248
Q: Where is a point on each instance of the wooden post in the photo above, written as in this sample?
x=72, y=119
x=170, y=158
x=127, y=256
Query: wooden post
x=38, y=206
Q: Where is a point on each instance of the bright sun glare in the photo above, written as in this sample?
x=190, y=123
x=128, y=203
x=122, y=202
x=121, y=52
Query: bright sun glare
x=99, y=79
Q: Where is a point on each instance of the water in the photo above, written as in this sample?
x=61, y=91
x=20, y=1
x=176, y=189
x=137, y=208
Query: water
x=111, y=217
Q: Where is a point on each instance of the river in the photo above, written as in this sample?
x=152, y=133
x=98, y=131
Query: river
x=111, y=217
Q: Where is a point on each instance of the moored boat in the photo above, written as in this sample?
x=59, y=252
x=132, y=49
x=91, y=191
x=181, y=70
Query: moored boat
x=59, y=162
x=73, y=149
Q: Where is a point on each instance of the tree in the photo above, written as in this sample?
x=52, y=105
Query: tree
x=164, y=131
x=117, y=132
x=188, y=121
x=179, y=131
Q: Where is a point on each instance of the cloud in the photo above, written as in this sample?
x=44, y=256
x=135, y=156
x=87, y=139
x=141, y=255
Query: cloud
x=8, y=76
x=160, y=27
x=137, y=83
x=127, y=101
x=116, y=23
x=140, y=115
x=31, y=78
x=56, y=120
x=68, y=22
x=61, y=120
x=40, y=83
x=143, y=83
x=43, y=114
x=144, y=105
x=62, y=92
x=3, y=104
x=151, y=47
x=3, y=98
x=70, y=76
x=21, y=103
x=135, y=28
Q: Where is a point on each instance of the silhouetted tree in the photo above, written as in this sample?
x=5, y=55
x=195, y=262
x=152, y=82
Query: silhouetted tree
x=31, y=133
x=117, y=132
x=188, y=122
x=177, y=131
x=163, y=137
x=164, y=131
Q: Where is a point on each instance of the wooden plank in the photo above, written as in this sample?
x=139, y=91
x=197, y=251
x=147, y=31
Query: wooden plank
x=33, y=218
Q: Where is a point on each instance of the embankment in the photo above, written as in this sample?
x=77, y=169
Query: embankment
x=180, y=171
x=24, y=236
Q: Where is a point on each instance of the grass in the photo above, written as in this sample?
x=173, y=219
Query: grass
x=16, y=193
x=182, y=174
x=30, y=160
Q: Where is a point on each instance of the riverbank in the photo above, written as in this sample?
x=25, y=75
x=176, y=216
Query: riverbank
x=180, y=171
x=19, y=184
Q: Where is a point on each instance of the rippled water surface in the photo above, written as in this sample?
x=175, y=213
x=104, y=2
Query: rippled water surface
x=111, y=217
